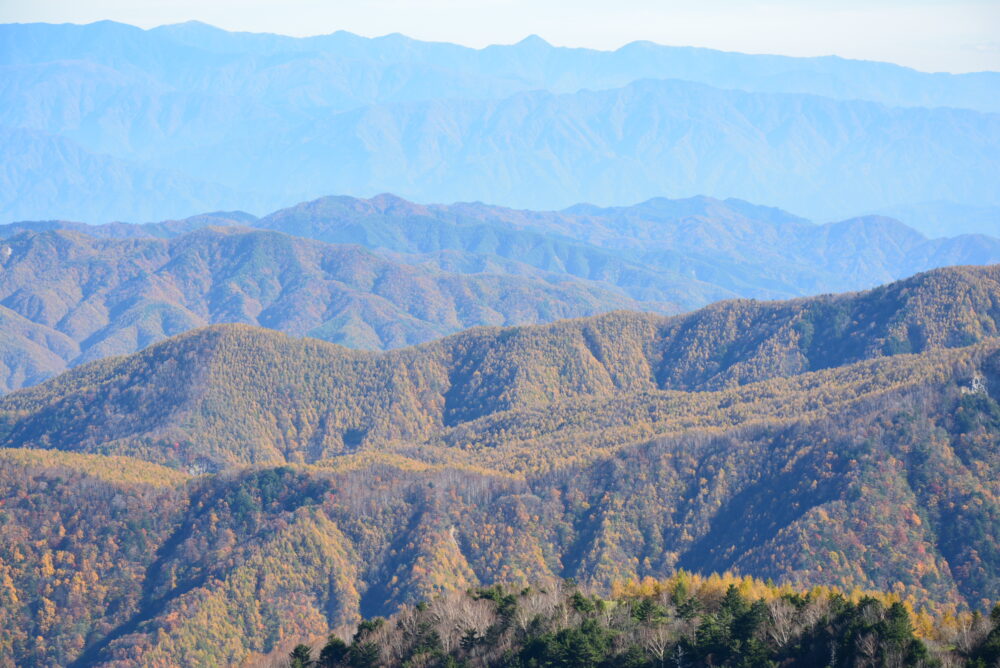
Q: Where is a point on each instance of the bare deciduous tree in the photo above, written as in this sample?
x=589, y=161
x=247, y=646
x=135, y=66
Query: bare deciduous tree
x=657, y=641
x=782, y=627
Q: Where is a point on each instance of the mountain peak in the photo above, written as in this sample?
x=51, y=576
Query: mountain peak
x=192, y=27
x=192, y=23
x=389, y=199
x=875, y=222
x=534, y=41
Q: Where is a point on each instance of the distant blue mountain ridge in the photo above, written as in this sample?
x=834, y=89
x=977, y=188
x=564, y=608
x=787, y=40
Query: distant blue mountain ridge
x=110, y=122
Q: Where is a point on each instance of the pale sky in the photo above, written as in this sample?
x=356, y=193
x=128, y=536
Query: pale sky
x=930, y=35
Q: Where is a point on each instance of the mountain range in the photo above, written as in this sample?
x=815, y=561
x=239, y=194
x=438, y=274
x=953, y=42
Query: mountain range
x=233, y=486
x=695, y=361
x=69, y=298
x=238, y=387
x=385, y=273
x=110, y=122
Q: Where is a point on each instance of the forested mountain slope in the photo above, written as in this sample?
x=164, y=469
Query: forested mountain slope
x=67, y=297
x=242, y=395
x=70, y=292
x=845, y=440
x=894, y=491
x=166, y=229
x=688, y=251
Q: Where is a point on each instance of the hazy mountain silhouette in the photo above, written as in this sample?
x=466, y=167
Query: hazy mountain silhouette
x=219, y=120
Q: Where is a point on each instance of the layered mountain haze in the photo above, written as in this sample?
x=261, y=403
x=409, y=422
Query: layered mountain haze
x=56, y=175
x=694, y=361
x=673, y=138
x=379, y=70
x=71, y=292
x=743, y=249
x=843, y=440
x=216, y=120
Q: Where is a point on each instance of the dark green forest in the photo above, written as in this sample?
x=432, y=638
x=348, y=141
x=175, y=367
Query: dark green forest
x=684, y=621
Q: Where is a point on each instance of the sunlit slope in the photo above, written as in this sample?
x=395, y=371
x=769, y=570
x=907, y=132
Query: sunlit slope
x=235, y=394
